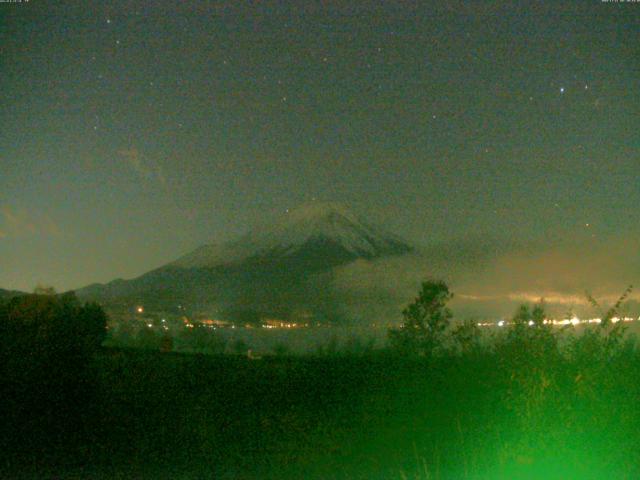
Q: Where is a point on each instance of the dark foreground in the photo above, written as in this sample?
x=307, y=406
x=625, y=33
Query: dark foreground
x=154, y=415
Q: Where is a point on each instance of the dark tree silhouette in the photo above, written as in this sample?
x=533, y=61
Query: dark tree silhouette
x=466, y=337
x=47, y=347
x=425, y=320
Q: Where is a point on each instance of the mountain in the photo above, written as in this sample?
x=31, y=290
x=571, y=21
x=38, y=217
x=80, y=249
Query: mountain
x=318, y=231
x=278, y=269
x=6, y=294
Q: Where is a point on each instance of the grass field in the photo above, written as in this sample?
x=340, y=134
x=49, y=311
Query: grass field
x=167, y=415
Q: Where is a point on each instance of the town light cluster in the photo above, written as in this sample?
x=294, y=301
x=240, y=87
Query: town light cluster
x=573, y=321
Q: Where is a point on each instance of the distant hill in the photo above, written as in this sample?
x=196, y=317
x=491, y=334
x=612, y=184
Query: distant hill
x=281, y=270
x=5, y=294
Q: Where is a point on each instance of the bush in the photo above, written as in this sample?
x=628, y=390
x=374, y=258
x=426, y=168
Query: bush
x=47, y=348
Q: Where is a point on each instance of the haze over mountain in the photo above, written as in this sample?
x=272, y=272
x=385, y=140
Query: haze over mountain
x=283, y=269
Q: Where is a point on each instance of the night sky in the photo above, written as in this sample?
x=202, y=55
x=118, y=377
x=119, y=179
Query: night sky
x=133, y=132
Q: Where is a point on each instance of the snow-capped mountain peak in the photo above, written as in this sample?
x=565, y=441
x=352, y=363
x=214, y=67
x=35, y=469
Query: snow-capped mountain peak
x=313, y=226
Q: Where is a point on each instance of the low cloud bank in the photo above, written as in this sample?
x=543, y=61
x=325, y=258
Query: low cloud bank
x=490, y=279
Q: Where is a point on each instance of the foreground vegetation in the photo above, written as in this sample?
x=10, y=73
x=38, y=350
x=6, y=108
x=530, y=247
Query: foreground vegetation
x=532, y=403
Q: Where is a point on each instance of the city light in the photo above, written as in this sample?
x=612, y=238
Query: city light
x=573, y=321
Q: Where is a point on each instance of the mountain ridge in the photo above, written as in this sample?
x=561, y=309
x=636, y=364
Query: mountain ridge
x=283, y=267
x=7, y=294
x=305, y=226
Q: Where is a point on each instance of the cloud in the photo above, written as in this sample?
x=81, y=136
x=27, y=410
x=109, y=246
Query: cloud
x=134, y=158
x=19, y=222
x=50, y=227
x=493, y=282
x=160, y=176
x=143, y=166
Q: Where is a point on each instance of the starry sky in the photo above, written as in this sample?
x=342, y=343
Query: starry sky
x=133, y=132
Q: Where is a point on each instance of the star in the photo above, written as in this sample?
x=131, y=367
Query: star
x=108, y=20
x=561, y=89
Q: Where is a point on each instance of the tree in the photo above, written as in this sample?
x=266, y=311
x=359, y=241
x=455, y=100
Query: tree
x=425, y=320
x=607, y=316
x=47, y=348
x=609, y=337
x=44, y=290
x=52, y=329
x=466, y=337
